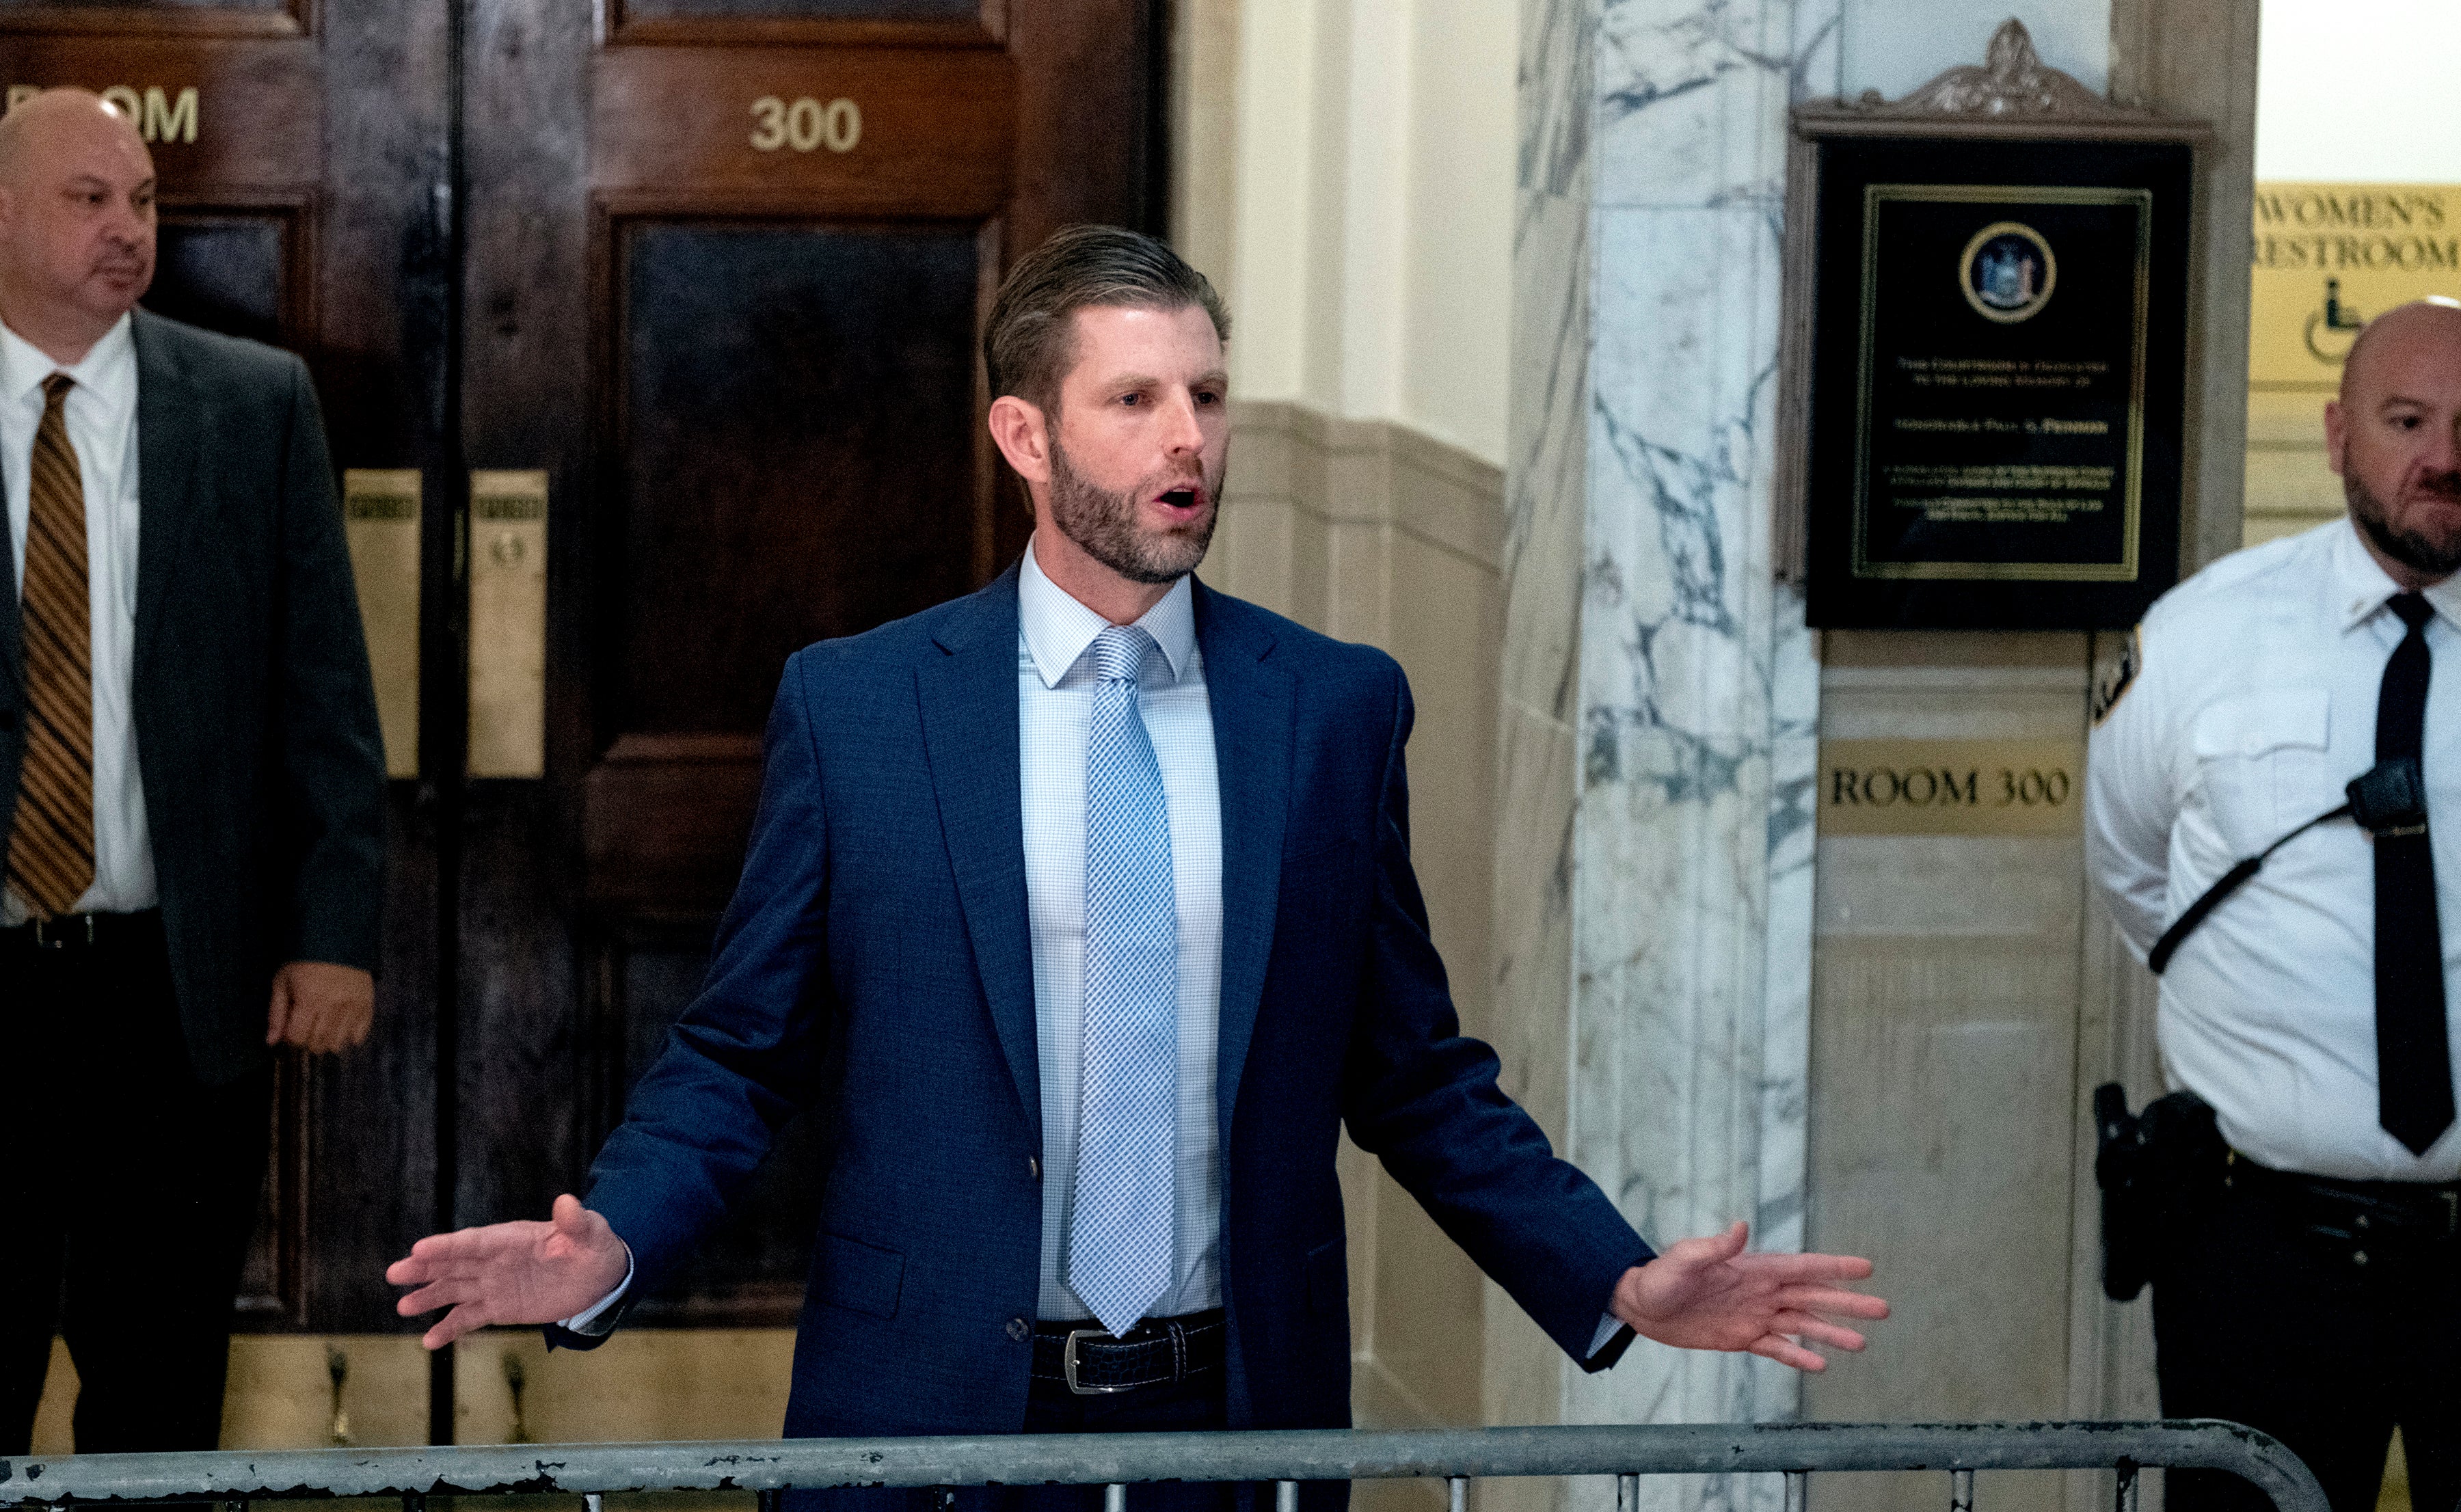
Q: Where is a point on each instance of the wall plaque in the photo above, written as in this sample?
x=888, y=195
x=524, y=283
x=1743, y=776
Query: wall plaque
x=1993, y=358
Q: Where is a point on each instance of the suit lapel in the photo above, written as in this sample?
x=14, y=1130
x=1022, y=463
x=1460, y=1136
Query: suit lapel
x=1254, y=712
x=970, y=734
x=172, y=415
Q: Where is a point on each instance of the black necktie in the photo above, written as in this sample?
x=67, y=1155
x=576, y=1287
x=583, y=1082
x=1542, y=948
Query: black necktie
x=2413, y=1058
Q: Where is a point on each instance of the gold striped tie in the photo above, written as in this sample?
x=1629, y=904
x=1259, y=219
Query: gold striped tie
x=50, y=844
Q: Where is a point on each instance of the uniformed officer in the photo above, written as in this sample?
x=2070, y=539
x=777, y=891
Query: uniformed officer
x=2307, y=1280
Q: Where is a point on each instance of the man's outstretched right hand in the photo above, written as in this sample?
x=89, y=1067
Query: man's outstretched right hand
x=521, y=1272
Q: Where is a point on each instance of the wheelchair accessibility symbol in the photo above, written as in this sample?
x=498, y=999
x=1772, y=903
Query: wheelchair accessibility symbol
x=2332, y=328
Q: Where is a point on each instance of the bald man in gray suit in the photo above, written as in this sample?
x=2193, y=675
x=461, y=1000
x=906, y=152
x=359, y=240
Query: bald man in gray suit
x=193, y=784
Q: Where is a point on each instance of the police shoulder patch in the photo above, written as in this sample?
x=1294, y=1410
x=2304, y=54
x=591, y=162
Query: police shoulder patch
x=2114, y=675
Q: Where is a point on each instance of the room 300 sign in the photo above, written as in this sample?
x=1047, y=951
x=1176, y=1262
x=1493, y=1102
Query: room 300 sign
x=1949, y=787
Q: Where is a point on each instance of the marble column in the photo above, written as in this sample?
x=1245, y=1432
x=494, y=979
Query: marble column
x=1659, y=694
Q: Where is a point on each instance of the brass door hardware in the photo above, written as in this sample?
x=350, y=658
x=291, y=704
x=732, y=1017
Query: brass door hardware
x=507, y=624
x=380, y=508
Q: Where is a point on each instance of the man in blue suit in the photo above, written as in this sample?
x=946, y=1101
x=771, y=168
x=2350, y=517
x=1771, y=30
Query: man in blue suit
x=1080, y=910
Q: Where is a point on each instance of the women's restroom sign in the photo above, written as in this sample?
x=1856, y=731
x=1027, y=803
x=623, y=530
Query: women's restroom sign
x=2326, y=259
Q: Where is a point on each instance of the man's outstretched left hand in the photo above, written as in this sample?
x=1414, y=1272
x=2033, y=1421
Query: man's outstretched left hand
x=1708, y=1294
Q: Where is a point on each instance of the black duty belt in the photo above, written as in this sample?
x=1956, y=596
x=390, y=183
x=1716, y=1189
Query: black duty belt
x=2360, y=1213
x=1091, y=1362
x=86, y=932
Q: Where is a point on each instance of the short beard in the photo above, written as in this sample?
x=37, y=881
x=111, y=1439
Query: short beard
x=2410, y=549
x=1103, y=524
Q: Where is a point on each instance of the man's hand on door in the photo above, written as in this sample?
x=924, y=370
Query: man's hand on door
x=518, y=1273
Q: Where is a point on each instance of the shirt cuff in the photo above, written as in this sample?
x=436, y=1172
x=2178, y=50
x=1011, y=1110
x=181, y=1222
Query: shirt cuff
x=1608, y=1325
x=587, y=1324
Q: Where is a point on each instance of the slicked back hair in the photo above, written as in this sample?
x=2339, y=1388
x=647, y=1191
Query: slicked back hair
x=1030, y=342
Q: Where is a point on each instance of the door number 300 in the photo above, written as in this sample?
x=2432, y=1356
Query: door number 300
x=805, y=124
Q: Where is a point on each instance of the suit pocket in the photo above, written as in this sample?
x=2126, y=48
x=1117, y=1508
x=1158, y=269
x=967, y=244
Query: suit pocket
x=1328, y=1280
x=859, y=1277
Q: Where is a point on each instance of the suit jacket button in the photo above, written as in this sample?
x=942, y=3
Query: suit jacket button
x=1034, y=1167
x=1018, y=1329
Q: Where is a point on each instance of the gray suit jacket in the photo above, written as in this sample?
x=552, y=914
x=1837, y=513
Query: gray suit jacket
x=256, y=723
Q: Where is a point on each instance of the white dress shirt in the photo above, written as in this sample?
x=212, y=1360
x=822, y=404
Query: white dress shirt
x=100, y=414
x=2255, y=704
x=1054, y=705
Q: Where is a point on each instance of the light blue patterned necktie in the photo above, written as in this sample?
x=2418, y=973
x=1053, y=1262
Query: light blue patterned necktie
x=1119, y=1234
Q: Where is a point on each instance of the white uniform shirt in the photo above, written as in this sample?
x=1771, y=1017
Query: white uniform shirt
x=100, y=414
x=2254, y=705
x=1055, y=702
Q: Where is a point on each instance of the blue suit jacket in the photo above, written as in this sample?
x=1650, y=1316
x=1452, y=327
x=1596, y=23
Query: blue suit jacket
x=873, y=966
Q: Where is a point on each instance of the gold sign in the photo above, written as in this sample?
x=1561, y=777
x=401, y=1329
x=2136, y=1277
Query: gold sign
x=1950, y=787
x=2328, y=257
x=159, y=115
x=805, y=124
x=508, y=625
x=380, y=519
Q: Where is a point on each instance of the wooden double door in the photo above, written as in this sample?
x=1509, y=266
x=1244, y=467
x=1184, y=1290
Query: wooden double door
x=710, y=271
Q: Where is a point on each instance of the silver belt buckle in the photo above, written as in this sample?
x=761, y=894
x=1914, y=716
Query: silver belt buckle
x=1068, y=1367
x=47, y=936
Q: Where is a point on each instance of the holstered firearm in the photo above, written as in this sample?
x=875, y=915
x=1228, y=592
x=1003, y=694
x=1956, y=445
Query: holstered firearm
x=2146, y=1164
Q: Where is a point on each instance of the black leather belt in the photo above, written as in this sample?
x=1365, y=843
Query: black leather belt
x=85, y=932
x=1090, y=1362
x=2356, y=1212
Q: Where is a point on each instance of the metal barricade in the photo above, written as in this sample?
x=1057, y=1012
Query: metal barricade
x=1286, y=1458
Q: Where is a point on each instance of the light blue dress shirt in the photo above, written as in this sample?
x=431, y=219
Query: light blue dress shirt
x=1054, y=705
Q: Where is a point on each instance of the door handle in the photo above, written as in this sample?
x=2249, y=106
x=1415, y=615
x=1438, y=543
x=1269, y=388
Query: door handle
x=507, y=624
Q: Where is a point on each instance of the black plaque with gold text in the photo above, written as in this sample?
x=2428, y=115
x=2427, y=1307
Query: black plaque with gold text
x=1998, y=382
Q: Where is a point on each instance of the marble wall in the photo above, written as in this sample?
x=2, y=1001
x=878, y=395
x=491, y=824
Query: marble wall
x=1665, y=1003
x=1959, y=997
x=1661, y=696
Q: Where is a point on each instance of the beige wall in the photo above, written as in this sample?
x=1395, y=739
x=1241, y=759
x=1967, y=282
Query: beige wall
x=2318, y=56
x=1345, y=174
x=1371, y=532
x=1343, y=170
